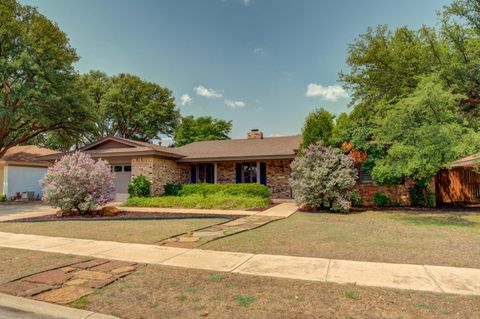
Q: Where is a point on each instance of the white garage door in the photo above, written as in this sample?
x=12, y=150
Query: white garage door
x=123, y=176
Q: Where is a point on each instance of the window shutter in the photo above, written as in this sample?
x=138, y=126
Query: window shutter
x=238, y=168
x=263, y=173
x=193, y=172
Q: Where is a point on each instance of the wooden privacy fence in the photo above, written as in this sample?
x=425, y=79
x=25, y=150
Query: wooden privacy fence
x=457, y=186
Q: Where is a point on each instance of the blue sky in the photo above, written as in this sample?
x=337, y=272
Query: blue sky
x=261, y=63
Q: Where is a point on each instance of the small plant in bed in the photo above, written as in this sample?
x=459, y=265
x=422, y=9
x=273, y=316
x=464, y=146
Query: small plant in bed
x=208, y=196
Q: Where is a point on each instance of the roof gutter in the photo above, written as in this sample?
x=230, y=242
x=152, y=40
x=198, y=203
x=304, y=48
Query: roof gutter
x=234, y=158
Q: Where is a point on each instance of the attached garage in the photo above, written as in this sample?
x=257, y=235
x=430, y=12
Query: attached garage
x=21, y=171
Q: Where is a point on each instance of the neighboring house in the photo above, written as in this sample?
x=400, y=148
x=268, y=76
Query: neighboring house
x=252, y=160
x=460, y=182
x=21, y=170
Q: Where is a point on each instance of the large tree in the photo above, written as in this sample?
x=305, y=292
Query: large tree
x=122, y=105
x=415, y=94
x=38, y=88
x=318, y=126
x=203, y=128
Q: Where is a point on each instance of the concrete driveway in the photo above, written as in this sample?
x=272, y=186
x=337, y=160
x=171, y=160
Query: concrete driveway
x=24, y=210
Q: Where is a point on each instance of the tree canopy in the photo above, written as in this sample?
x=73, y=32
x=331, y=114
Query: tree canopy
x=122, y=105
x=203, y=128
x=318, y=126
x=415, y=95
x=38, y=87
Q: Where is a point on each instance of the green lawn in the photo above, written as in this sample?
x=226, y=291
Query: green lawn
x=399, y=237
x=213, y=201
x=131, y=231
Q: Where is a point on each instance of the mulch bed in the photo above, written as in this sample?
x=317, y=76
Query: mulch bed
x=123, y=215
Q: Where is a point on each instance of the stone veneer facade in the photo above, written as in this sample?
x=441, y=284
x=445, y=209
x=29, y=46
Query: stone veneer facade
x=160, y=171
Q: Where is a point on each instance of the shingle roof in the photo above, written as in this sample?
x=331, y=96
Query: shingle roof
x=269, y=147
x=468, y=161
x=27, y=154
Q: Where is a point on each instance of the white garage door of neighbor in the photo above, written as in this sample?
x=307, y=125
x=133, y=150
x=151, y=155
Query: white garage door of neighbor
x=123, y=176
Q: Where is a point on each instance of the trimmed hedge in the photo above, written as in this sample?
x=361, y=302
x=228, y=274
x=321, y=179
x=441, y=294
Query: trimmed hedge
x=247, y=189
x=214, y=201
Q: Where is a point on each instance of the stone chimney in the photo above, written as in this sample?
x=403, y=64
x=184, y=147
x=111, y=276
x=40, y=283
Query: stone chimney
x=255, y=134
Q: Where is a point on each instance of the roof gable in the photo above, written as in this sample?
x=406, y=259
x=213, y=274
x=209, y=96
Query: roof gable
x=110, y=142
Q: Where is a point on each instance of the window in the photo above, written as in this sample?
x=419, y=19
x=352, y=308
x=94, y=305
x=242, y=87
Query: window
x=249, y=172
x=364, y=176
x=117, y=169
x=127, y=168
x=203, y=173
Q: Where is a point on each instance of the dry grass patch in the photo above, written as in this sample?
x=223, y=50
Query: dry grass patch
x=131, y=231
x=398, y=237
x=167, y=292
x=16, y=263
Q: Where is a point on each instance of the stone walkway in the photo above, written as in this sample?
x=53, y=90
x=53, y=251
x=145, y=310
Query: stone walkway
x=198, y=238
x=401, y=276
x=69, y=283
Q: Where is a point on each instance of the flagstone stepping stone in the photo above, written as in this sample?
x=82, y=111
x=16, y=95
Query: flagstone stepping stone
x=76, y=282
x=91, y=275
x=64, y=295
x=52, y=277
x=90, y=264
x=121, y=270
x=188, y=239
x=113, y=264
x=23, y=288
x=68, y=269
x=97, y=284
x=208, y=233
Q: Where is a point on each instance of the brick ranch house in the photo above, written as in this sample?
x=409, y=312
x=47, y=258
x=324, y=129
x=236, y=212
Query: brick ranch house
x=255, y=159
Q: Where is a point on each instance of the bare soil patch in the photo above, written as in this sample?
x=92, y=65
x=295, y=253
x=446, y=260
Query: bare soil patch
x=167, y=292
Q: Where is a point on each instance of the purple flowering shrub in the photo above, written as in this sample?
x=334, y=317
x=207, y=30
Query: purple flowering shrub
x=78, y=182
x=323, y=177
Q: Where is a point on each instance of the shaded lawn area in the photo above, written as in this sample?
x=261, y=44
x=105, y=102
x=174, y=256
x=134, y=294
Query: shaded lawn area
x=168, y=292
x=450, y=239
x=15, y=263
x=129, y=231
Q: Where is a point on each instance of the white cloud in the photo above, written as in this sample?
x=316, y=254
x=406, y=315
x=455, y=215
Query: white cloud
x=259, y=51
x=247, y=2
x=330, y=93
x=234, y=104
x=206, y=92
x=185, y=99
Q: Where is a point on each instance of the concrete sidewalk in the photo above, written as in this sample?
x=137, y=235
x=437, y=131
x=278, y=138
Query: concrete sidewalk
x=23, y=308
x=401, y=276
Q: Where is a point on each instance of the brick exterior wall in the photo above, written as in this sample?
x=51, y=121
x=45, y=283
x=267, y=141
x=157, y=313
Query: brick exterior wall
x=226, y=173
x=397, y=193
x=160, y=171
x=278, y=176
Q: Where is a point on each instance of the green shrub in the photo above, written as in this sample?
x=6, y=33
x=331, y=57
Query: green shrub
x=172, y=189
x=213, y=201
x=417, y=197
x=3, y=198
x=355, y=198
x=381, y=199
x=139, y=187
x=247, y=189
